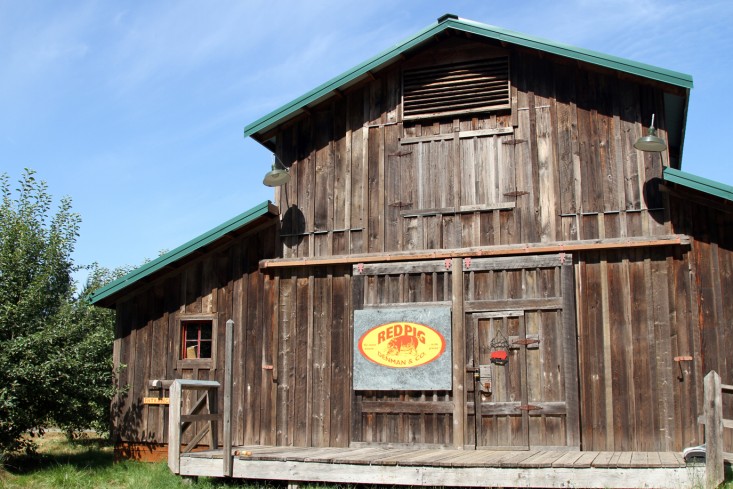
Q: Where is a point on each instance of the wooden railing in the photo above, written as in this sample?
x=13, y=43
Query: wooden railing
x=715, y=456
x=178, y=423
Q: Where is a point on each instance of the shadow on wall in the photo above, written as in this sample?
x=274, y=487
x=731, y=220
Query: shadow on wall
x=128, y=414
x=292, y=228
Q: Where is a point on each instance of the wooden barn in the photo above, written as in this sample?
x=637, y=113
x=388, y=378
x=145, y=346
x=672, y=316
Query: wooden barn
x=470, y=267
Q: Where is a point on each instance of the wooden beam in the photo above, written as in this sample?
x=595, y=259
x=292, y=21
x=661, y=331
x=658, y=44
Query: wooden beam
x=174, y=429
x=463, y=209
x=488, y=251
x=459, y=361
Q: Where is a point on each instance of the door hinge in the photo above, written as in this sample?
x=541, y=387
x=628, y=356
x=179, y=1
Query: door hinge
x=526, y=341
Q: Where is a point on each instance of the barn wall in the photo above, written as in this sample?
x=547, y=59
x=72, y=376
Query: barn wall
x=709, y=222
x=633, y=311
x=291, y=361
x=559, y=166
x=566, y=171
x=147, y=337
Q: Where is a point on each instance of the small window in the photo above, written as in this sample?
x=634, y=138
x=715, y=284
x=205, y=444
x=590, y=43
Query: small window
x=456, y=89
x=196, y=339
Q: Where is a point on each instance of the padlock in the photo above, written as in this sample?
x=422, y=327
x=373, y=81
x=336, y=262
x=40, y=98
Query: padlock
x=499, y=357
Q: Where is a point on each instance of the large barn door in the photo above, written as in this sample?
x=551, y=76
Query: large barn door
x=395, y=415
x=521, y=351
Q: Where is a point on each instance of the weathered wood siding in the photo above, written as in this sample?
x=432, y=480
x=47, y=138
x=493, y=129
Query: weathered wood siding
x=292, y=347
x=559, y=166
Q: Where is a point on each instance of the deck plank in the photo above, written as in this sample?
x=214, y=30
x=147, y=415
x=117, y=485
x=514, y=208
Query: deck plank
x=624, y=460
x=325, y=455
x=603, y=460
x=668, y=459
x=424, y=457
x=653, y=460
x=516, y=457
x=282, y=454
x=586, y=460
x=542, y=459
x=488, y=459
x=358, y=456
x=397, y=456
x=639, y=459
x=567, y=459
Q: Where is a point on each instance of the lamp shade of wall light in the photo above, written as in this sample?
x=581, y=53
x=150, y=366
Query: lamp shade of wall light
x=651, y=142
x=278, y=176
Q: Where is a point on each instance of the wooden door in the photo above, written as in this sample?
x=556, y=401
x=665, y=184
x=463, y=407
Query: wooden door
x=525, y=306
x=499, y=401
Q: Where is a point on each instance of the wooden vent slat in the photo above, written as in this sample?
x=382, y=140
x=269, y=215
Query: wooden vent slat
x=457, y=98
x=437, y=92
x=477, y=86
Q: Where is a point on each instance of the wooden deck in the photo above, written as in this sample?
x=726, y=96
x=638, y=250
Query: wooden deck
x=449, y=467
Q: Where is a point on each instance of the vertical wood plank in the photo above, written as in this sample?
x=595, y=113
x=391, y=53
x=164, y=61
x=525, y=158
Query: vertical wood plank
x=714, y=468
x=663, y=349
x=459, y=363
x=606, y=324
x=227, y=407
x=570, y=353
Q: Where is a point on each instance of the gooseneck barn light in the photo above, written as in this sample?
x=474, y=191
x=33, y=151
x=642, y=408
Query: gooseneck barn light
x=651, y=142
x=279, y=175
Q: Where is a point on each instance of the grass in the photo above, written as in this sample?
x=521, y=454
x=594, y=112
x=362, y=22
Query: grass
x=88, y=463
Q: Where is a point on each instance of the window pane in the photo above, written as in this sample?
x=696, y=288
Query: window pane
x=190, y=350
x=196, y=339
x=205, y=331
x=205, y=349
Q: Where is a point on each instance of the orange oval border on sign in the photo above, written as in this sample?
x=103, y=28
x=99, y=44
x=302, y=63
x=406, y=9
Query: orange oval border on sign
x=402, y=344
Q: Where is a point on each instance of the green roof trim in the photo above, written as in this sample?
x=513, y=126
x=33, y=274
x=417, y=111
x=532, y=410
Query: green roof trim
x=449, y=21
x=182, y=251
x=710, y=187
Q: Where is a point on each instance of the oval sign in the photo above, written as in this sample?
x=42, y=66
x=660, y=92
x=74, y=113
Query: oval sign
x=402, y=344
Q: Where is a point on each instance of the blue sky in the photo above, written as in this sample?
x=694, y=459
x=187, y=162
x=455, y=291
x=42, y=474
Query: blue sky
x=135, y=109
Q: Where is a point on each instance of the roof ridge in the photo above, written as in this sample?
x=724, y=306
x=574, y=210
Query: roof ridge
x=452, y=21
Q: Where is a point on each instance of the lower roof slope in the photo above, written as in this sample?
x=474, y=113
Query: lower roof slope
x=710, y=187
x=105, y=296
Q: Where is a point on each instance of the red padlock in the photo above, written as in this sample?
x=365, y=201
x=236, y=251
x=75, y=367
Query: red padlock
x=499, y=357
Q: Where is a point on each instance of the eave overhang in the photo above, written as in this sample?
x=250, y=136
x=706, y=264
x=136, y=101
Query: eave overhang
x=694, y=182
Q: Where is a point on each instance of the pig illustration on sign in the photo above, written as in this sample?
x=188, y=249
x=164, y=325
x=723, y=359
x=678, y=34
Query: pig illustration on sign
x=404, y=345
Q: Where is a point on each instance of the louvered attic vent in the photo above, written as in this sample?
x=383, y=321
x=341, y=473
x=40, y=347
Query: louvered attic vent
x=458, y=88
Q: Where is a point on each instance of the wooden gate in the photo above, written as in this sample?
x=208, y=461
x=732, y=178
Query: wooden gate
x=533, y=398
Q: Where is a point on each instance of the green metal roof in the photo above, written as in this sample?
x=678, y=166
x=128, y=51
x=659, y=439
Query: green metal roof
x=182, y=251
x=450, y=21
x=710, y=187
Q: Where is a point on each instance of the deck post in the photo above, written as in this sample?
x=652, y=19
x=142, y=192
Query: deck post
x=174, y=428
x=713, y=409
x=227, y=423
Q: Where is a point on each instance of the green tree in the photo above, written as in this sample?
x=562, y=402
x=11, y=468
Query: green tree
x=55, y=348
